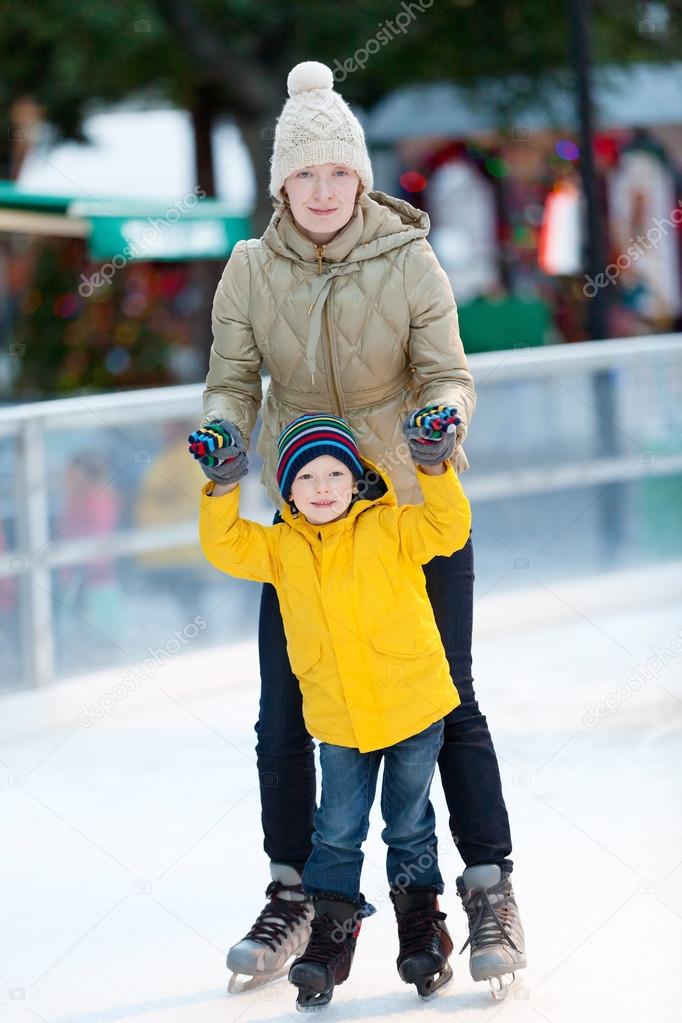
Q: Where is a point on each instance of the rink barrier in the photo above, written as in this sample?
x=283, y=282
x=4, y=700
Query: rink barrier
x=599, y=360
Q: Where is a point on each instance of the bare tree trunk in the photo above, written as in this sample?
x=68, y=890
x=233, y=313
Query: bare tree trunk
x=19, y=121
x=203, y=119
x=5, y=143
x=204, y=274
x=258, y=135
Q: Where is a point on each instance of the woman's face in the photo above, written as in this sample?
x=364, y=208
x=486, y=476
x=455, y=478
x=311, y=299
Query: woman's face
x=322, y=198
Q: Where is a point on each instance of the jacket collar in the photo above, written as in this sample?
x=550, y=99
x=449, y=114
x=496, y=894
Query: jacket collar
x=379, y=223
x=380, y=492
x=334, y=251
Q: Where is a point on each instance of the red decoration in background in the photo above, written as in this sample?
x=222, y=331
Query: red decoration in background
x=413, y=181
x=606, y=150
x=67, y=306
x=445, y=154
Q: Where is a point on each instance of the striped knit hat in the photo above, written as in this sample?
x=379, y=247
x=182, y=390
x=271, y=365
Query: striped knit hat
x=307, y=438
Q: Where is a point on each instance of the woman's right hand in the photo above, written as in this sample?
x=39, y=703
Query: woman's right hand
x=431, y=433
x=220, y=449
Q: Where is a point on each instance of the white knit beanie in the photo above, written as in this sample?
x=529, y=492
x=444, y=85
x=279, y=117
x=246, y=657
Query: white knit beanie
x=316, y=126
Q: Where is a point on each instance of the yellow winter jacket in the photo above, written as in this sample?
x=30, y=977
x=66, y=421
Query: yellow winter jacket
x=361, y=634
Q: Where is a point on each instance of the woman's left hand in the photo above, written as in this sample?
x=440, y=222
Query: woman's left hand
x=431, y=433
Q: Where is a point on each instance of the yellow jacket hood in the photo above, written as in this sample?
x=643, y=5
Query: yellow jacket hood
x=379, y=491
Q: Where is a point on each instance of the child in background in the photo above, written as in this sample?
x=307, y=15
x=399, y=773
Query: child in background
x=346, y=563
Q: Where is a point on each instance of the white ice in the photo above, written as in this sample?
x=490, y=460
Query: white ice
x=132, y=857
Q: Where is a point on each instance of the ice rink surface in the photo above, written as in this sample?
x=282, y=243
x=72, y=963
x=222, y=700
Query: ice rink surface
x=132, y=851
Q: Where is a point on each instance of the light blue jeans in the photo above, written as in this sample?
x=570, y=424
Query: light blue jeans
x=349, y=780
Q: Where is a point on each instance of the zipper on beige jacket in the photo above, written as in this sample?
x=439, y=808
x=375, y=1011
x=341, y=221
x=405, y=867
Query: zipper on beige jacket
x=333, y=375
x=319, y=252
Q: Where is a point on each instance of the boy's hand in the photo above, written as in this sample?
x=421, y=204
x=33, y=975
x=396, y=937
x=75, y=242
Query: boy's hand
x=431, y=433
x=220, y=450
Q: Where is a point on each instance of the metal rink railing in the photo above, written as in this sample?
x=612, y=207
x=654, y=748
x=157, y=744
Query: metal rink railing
x=576, y=446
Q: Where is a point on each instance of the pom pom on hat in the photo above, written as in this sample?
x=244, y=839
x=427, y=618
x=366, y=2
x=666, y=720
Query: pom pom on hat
x=309, y=75
x=316, y=126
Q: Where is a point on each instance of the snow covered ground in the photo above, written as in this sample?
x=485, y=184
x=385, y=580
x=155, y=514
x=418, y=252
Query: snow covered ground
x=131, y=849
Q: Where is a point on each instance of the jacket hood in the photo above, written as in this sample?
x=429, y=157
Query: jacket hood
x=380, y=223
x=379, y=491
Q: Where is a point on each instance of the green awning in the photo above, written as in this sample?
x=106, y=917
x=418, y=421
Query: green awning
x=130, y=229
x=13, y=198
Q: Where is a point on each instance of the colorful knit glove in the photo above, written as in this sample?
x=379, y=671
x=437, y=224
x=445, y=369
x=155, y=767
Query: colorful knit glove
x=431, y=433
x=220, y=449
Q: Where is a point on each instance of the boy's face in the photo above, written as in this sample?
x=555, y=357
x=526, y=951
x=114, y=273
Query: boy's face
x=323, y=489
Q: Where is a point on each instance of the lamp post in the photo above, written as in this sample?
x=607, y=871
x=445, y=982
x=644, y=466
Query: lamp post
x=604, y=389
x=594, y=248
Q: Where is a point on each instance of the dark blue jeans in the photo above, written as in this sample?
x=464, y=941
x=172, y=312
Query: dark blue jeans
x=468, y=765
x=349, y=780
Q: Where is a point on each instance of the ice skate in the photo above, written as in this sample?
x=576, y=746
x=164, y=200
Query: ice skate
x=496, y=934
x=327, y=959
x=281, y=931
x=425, y=943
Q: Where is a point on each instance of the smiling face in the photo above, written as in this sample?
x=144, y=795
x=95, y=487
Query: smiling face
x=323, y=489
x=322, y=198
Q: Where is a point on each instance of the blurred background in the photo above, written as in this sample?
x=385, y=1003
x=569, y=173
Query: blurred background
x=133, y=155
x=545, y=143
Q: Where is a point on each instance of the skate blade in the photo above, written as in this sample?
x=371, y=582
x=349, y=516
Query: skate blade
x=312, y=1001
x=427, y=987
x=256, y=980
x=235, y=986
x=501, y=988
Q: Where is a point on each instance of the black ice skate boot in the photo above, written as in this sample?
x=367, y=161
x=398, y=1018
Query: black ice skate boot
x=495, y=930
x=327, y=959
x=425, y=943
x=280, y=932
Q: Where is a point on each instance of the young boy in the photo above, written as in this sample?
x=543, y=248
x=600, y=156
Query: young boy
x=346, y=563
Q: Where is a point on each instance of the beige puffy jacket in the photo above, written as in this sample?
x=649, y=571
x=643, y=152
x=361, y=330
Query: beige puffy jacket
x=364, y=327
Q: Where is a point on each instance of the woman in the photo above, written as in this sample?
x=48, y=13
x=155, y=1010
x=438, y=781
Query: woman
x=344, y=303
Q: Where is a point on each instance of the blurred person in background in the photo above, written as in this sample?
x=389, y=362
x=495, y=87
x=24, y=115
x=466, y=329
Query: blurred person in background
x=9, y=620
x=344, y=303
x=166, y=496
x=90, y=606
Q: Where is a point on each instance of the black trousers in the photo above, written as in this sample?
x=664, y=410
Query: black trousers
x=468, y=764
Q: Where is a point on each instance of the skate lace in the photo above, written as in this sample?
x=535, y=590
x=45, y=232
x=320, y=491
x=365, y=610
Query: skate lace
x=487, y=923
x=324, y=944
x=279, y=917
x=417, y=928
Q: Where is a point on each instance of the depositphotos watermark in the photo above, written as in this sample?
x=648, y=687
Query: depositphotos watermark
x=388, y=30
x=136, y=674
x=636, y=678
x=143, y=239
x=637, y=248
